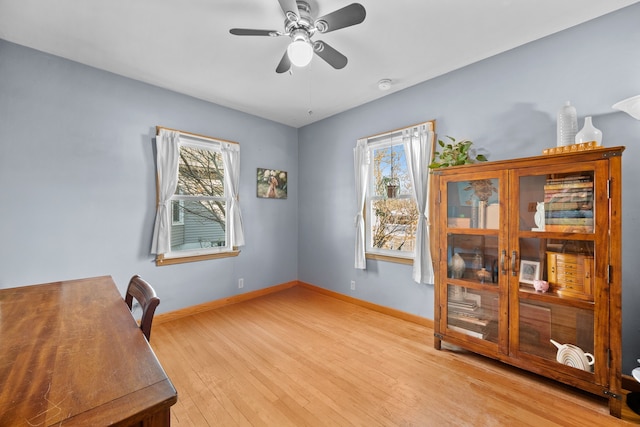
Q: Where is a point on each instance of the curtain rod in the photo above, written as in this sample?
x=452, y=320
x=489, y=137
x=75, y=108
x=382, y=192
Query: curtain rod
x=158, y=128
x=431, y=123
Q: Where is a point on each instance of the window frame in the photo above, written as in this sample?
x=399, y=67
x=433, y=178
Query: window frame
x=204, y=253
x=389, y=139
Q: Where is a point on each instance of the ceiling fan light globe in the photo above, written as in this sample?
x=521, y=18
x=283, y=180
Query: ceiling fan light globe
x=300, y=53
x=631, y=106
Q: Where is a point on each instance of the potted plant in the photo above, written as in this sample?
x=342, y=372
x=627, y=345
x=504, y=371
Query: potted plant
x=455, y=153
x=391, y=185
x=460, y=153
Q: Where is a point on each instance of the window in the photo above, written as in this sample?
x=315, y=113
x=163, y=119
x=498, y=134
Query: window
x=177, y=212
x=392, y=196
x=199, y=198
x=391, y=212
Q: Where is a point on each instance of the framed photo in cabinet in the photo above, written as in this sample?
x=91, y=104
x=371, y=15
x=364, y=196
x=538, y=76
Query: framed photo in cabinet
x=529, y=271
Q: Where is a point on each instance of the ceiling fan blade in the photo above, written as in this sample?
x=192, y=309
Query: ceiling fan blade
x=251, y=32
x=341, y=18
x=330, y=55
x=290, y=9
x=284, y=65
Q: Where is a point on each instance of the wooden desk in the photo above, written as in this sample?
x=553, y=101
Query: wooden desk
x=71, y=354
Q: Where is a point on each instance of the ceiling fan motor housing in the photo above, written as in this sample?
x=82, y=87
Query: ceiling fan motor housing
x=303, y=22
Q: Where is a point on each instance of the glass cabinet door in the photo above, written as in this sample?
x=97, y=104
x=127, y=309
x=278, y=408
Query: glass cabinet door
x=470, y=260
x=555, y=273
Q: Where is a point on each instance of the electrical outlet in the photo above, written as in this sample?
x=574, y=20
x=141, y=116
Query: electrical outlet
x=353, y=285
x=240, y=283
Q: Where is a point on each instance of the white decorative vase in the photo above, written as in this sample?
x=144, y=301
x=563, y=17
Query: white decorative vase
x=457, y=266
x=589, y=133
x=482, y=214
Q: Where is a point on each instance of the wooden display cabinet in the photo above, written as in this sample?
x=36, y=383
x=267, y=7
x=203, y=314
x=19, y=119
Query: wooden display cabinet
x=494, y=241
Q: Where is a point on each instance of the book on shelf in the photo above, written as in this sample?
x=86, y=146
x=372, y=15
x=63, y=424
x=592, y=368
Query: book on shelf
x=459, y=222
x=475, y=334
x=466, y=305
x=570, y=179
x=582, y=196
x=569, y=221
x=572, y=191
x=568, y=206
x=468, y=317
x=568, y=228
x=568, y=185
x=574, y=188
x=467, y=325
x=577, y=213
x=464, y=320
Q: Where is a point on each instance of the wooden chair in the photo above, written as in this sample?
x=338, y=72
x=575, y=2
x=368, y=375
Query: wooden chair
x=140, y=290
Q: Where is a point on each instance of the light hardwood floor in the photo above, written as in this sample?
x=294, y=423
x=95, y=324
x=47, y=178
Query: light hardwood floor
x=301, y=358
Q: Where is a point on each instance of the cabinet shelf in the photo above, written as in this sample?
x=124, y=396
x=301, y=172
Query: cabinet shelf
x=465, y=283
x=556, y=235
x=473, y=231
x=504, y=317
x=553, y=298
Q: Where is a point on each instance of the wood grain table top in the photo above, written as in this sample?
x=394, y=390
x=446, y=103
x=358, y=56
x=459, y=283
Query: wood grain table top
x=72, y=354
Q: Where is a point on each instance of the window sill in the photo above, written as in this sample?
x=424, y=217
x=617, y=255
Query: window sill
x=387, y=258
x=161, y=260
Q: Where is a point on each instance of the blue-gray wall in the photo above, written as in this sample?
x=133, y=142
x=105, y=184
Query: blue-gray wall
x=77, y=178
x=78, y=184
x=507, y=105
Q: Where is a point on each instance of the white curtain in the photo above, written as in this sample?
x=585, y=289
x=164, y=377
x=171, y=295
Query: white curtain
x=167, y=170
x=361, y=164
x=418, y=142
x=231, y=159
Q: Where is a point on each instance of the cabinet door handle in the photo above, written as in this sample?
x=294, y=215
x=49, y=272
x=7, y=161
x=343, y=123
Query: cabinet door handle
x=503, y=256
x=514, y=256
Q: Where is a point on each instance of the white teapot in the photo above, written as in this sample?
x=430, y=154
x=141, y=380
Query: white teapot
x=574, y=356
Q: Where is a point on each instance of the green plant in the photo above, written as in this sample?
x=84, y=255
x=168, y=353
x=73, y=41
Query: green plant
x=388, y=186
x=386, y=180
x=455, y=153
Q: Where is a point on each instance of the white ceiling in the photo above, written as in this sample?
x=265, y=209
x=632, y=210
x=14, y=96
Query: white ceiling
x=185, y=45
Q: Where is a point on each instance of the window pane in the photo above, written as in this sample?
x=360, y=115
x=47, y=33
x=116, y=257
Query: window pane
x=479, y=256
x=540, y=322
x=201, y=172
x=474, y=204
x=390, y=169
x=393, y=224
x=203, y=220
x=203, y=226
x=472, y=312
x=568, y=202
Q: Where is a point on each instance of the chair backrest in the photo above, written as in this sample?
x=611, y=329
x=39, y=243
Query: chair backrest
x=142, y=292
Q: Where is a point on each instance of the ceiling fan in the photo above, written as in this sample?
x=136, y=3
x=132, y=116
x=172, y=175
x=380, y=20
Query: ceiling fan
x=300, y=27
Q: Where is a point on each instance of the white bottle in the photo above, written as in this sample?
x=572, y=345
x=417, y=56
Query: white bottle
x=567, y=125
x=589, y=133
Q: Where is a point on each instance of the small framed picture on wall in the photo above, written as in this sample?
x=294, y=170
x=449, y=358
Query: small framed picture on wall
x=271, y=183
